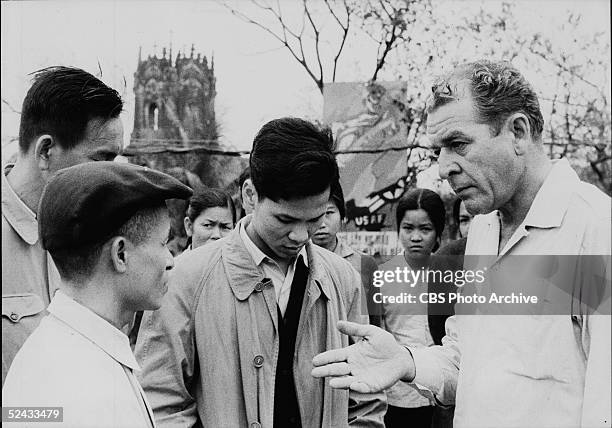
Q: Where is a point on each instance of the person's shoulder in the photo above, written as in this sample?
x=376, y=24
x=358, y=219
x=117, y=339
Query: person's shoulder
x=589, y=201
x=203, y=254
x=328, y=259
x=453, y=248
x=51, y=348
x=190, y=266
x=333, y=265
x=366, y=259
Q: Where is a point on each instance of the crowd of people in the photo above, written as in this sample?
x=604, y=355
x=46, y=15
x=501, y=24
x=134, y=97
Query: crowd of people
x=267, y=318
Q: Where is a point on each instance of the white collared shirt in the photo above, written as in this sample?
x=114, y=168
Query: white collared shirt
x=530, y=370
x=77, y=360
x=271, y=269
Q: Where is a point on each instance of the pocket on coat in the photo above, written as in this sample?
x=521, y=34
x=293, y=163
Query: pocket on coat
x=18, y=306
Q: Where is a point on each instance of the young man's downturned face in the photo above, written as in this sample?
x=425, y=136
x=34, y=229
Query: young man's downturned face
x=283, y=227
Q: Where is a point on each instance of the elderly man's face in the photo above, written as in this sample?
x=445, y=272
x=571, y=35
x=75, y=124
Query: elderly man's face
x=481, y=168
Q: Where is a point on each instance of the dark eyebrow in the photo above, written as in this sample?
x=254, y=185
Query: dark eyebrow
x=317, y=217
x=286, y=217
x=453, y=135
x=407, y=223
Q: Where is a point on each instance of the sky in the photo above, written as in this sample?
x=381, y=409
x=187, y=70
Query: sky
x=257, y=80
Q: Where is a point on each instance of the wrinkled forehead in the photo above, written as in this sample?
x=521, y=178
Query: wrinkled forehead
x=452, y=117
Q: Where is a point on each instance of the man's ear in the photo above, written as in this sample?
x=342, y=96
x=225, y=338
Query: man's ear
x=517, y=124
x=43, y=148
x=118, y=254
x=249, y=194
x=188, y=226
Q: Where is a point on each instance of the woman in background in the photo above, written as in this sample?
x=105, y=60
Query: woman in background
x=211, y=215
x=420, y=219
x=462, y=218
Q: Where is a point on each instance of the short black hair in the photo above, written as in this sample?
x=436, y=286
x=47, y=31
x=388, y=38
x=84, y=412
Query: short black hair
x=244, y=176
x=292, y=158
x=77, y=264
x=336, y=195
x=424, y=199
x=206, y=197
x=61, y=102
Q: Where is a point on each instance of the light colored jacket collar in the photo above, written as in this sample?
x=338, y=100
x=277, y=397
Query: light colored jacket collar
x=546, y=211
x=94, y=328
x=18, y=215
x=243, y=273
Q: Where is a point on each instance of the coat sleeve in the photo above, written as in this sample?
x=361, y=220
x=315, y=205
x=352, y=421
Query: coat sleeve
x=166, y=352
x=365, y=410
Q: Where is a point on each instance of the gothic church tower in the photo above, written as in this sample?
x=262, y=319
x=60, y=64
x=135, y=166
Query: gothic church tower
x=174, y=102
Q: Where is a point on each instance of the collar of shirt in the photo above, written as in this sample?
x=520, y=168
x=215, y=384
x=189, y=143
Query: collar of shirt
x=551, y=201
x=547, y=211
x=343, y=250
x=282, y=280
x=17, y=214
x=259, y=256
x=94, y=328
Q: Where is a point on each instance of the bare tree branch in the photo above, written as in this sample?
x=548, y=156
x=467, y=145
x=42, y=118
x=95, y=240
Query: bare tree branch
x=5, y=102
x=345, y=30
x=316, y=34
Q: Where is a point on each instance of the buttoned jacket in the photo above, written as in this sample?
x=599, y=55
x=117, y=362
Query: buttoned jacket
x=208, y=356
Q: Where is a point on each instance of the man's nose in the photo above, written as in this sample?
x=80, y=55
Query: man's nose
x=446, y=163
x=299, y=234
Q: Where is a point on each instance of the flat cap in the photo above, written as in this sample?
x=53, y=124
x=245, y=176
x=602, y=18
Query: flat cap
x=85, y=204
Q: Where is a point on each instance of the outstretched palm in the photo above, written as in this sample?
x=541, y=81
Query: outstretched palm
x=372, y=364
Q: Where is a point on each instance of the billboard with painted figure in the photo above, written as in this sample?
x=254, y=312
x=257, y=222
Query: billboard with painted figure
x=370, y=129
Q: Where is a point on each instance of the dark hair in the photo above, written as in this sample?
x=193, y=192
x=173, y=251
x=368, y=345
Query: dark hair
x=244, y=176
x=498, y=90
x=336, y=195
x=76, y=264
x=205, y=197
x=61, y=102
x=292, y=158
x=424, y=199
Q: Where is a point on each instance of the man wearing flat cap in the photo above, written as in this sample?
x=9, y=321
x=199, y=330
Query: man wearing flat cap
x=106, y=226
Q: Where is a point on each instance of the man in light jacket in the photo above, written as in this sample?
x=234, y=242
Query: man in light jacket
x=233, y=343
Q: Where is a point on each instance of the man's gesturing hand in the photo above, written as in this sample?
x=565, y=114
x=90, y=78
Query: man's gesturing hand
x=372, y=364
